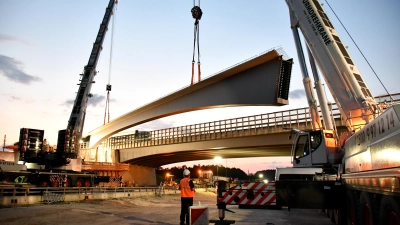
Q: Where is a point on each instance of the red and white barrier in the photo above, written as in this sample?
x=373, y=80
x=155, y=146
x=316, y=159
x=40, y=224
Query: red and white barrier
x=250, y=193
x=199, y=215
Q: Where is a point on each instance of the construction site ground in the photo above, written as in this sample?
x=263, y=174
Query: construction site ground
x=162, y=210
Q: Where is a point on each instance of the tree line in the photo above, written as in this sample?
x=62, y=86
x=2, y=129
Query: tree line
x=232, y=172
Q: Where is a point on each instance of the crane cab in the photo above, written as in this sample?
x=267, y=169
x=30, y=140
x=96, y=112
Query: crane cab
x=315, y=148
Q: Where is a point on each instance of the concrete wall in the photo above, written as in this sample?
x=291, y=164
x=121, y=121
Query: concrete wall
x=8, y=156
x=140, y=176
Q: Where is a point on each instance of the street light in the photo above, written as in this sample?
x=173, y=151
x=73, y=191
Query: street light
x=217, y=159
x=260, y=176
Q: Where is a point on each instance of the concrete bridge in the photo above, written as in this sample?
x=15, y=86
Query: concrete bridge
x=251, y=136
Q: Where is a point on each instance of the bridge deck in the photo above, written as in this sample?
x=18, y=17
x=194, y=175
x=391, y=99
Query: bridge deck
x=251, y=136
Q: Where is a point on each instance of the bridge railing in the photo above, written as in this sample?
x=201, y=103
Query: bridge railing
x=273, y=122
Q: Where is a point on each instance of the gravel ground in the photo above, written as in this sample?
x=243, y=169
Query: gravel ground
x=163, y=210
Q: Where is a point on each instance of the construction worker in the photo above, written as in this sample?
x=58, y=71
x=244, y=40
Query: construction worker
x=187, y=193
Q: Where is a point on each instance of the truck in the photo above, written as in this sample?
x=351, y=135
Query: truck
x=359, y=182
x=42, y=167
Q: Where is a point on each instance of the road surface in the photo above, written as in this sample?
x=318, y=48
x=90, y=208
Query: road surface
x=163, y=210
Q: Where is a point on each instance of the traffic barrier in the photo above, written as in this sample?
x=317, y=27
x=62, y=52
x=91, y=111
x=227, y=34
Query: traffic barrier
x=251, y=194
x=199, y=215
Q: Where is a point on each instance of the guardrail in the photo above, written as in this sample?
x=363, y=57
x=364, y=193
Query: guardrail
x=242, y=126
x=11, y=196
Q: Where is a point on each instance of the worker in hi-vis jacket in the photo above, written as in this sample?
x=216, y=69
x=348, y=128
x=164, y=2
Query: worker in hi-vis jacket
x=187, y=193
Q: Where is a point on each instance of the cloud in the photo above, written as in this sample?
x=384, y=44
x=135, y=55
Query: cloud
x=5, y=38
x=96, y=99
x=156, y=125
x=12, y=69
x=93, y=101
x=14, y=98
x=297, y=94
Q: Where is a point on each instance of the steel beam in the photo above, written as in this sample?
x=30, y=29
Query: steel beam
x=263, y=80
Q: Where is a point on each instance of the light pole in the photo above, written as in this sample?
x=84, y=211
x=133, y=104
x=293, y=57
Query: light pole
x=217, y=159
x=260, y=176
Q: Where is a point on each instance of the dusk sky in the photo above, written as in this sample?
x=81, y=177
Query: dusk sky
x=44, y=45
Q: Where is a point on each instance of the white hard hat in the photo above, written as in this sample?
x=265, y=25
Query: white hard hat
x=186, y=172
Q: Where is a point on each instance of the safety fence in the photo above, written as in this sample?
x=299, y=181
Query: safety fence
x=229, y=128
x=35, y=195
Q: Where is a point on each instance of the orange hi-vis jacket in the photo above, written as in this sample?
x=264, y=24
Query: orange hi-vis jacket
x=186, y=191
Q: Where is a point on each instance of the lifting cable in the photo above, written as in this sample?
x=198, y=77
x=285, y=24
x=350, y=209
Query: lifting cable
x=196, y=14
x=108, y=86
x=391, y=99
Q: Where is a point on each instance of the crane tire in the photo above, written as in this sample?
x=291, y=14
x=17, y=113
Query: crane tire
x=351, y=208
x=87, y=183
x=79, y=182
x=340, y=216
x=390, y=211
x=366, y=209
x=55, y=184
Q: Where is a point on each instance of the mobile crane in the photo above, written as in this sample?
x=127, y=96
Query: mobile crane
x=360, y=178
x=64, y=165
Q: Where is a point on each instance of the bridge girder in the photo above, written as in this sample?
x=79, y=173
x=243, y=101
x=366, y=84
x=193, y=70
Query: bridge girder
x=263, y=80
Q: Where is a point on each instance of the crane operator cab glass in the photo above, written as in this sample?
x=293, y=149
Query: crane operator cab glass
x=309, y=149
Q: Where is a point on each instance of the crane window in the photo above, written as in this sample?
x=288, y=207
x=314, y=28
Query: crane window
x=316, y=139
x=302, y=147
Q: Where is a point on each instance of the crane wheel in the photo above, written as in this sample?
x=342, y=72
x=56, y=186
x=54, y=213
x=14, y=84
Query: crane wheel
x=390, y=211
x=79, y=182
x=87, y=183
x=351, y=212
x=366, y=213
x=55, y=184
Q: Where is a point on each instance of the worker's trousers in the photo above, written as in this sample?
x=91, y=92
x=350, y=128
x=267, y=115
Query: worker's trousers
x=185, y=204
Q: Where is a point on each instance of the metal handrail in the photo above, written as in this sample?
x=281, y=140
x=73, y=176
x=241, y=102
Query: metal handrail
x=26, y=191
